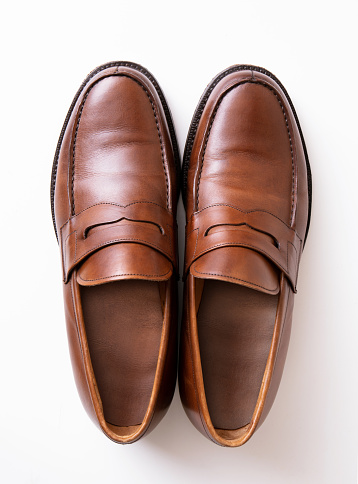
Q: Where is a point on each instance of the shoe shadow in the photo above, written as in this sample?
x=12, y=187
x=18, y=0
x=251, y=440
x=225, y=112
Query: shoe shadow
x=288, y=443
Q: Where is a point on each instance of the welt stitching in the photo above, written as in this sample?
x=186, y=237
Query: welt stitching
x=204, y=150
x=291, y=150
x=161, y=146
x=291, y=147
x=208, y=134
x=99, y=69
x=201, y=108
x=123, y=274
x=74, y=148
x=159, y=134
x=288, y=131
x=236, y=278
x=156, y=122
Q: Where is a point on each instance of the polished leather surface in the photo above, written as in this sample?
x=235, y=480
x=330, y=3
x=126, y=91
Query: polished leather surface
x=247, y=210
x=115, y=216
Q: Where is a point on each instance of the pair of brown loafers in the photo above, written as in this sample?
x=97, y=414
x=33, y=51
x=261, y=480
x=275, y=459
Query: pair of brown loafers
x=114, y=192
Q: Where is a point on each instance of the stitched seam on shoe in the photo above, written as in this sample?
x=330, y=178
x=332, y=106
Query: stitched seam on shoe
x=226, y=244
x=208, y=135
x=74, y=148
x=115, y=205
x=291, y=149
x=204, y=150
x=96, y=71
x=287, y=127
x=243, y=211
x=128, y=274
x=159, y=134
x=236, y=278
x=156, y=122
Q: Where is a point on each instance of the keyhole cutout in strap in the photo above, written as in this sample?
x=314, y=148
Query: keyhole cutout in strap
x=112, y=222
x=274, y=240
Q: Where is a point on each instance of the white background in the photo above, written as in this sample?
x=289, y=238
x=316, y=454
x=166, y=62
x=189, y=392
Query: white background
x=47, y=48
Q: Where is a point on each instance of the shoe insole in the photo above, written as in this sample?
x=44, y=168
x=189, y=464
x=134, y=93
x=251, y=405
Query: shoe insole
x=235, y=328
x=123, y=321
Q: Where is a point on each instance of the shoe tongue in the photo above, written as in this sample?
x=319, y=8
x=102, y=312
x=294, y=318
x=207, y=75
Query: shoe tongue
x=238, y=265
x=124, y=261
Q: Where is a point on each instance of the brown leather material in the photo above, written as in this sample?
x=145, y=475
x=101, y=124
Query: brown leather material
x=123, y=336
x=95, y=227
x=238, y=266
x=123, y=262
x=282, y=249
x=228, y=346
x=247, y=197
x=114, y=193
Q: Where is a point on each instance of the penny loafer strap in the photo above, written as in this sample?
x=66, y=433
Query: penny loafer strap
x=102, y=225
x=270, y=236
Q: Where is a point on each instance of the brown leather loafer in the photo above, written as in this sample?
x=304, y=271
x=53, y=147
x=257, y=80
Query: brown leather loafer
x=247, y=189
x=114, y=194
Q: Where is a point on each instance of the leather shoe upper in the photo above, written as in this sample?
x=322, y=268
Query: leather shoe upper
x=247, y=207
x=115, y=194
